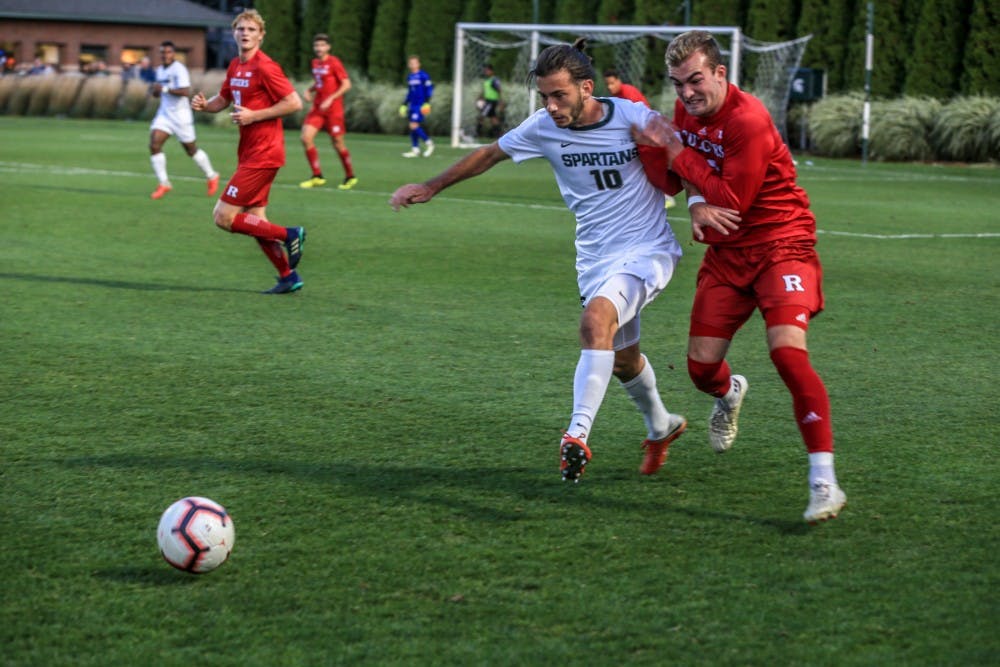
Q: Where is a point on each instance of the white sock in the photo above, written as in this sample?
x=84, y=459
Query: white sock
x=642, y=389
x=821, y=467
x=201, y=159
x=159, y=162
x=593, y=372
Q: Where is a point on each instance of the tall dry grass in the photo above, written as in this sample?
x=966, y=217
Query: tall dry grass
x=901, y=129
x=966, y=129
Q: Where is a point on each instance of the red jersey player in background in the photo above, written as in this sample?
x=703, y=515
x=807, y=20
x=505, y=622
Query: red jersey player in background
x=327, y=113
x=619, y=88
x=746, y=205
x=261, y=94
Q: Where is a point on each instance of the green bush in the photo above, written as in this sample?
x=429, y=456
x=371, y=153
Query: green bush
x=901, y=129
x=835, y=125
x=966, y=131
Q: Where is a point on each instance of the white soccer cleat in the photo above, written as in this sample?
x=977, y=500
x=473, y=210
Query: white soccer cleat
x=722, y=423
x=429, y=149
x=413, y=152
x=825, y=501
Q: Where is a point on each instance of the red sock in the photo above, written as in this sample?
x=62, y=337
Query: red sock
x=251, y=225
x=345, y=159
x=809, y=398
x=276, y=253
x=710, y=378
x=313, y=156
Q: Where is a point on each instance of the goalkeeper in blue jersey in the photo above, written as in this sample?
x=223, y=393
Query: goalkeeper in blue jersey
x=420, y=88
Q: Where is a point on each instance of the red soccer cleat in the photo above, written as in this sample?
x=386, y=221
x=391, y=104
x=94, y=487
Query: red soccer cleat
x=213, y=185
x=656, y=450
x=574, y=455
x=160, y=191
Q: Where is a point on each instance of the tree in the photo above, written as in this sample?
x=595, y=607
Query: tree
x=772, y=20
x=386, y=56
x=315, y=19
x=281, y=27
x=431, y=35
x=829, y=22
x=576, y=12
x=350, y=28
x=615, y=12
x=934, y=66
x=891, y=49
x=718, y=12
x=981, y=75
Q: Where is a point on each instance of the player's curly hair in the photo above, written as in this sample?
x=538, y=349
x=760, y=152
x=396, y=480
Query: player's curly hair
x=571, y=58
x=683, y=45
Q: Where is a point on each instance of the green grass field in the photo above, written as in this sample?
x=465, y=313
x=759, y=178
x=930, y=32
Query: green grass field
x=385, y=439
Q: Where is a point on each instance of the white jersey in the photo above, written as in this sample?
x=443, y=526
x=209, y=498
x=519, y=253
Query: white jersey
x=174, y=109
x=620, y=216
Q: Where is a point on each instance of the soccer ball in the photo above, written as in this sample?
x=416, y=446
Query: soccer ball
x=196, y=535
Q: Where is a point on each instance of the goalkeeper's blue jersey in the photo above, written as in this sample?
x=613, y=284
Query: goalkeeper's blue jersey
x=420, y=88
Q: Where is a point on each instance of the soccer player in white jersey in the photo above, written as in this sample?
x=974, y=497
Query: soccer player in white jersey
x=173, y=86
x=625, y=249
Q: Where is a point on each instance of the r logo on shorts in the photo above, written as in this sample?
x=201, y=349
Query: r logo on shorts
x=233, y=191
x=793, y=283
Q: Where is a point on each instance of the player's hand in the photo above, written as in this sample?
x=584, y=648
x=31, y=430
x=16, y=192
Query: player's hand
x=722, y=220
x=307, y=95
x=425, y=108
x=414, y=193
x=659, y=132
x=198, y=101
x=326, y=105
x=242, y=116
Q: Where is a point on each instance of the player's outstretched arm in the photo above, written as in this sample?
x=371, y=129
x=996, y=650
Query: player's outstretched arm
x=473, y=164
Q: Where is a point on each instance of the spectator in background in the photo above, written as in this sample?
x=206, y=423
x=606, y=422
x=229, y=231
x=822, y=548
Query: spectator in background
x=147, y=74
x=40, y=68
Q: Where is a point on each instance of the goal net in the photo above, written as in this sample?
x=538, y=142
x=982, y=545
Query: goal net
x=636, y=52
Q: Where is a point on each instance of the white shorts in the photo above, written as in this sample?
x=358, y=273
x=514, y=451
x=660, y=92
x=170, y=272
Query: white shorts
x=633, y=285
x=183, y=130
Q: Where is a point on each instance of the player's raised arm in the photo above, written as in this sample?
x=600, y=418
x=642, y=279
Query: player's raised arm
x=473, y=164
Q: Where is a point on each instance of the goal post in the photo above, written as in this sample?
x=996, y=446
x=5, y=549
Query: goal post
x=635, y=51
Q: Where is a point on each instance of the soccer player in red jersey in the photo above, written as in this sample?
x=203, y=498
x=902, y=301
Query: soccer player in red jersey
x=327, y=113
x=619, y=88
x=260, y=94
x=746, y=205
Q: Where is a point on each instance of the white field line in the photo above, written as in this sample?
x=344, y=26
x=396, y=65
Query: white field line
x=21, y=167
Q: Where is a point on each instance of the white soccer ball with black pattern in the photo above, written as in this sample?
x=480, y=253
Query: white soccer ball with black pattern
x=196, y=535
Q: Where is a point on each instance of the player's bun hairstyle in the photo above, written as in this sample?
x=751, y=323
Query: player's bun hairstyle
x=686, y=43
x=564, y=57
x=321, y=37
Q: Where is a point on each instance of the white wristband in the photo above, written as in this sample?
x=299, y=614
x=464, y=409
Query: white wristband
x=696, y=199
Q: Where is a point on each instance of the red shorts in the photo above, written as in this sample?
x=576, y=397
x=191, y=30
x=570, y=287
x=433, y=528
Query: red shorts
x=332, y=123
x=782, y=278
x=249, y=187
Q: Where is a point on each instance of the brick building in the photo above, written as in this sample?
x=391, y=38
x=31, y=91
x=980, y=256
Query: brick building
x=112, y=35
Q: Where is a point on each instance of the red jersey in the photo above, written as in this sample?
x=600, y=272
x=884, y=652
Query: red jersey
x=330, y=75
x=736, y=158
x=257, y=84
x=630, y=92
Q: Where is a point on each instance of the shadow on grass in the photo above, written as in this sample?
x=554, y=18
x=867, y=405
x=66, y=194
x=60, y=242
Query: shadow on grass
x=430, y=485
x=120, y=284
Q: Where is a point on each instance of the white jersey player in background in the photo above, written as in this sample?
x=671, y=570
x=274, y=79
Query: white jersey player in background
x=173, y=86
x=625, y=249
